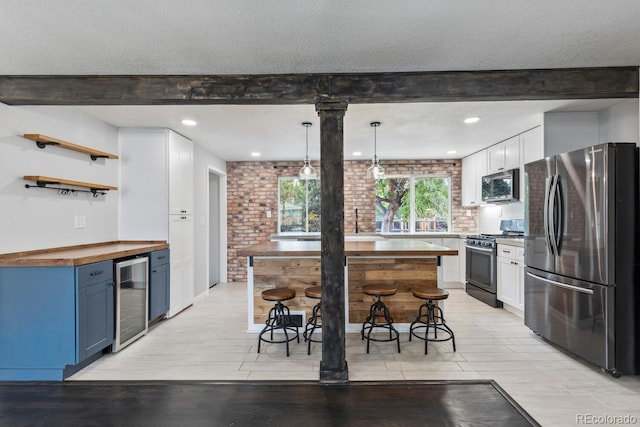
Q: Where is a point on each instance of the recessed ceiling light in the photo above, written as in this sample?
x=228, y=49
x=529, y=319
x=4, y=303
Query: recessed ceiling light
x=356, y=153
x=451, y=152
x=255, y=154
x=189, y=122
x=470, y=120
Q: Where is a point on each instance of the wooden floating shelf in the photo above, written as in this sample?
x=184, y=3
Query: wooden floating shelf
x=42, y=141
x=43, y=181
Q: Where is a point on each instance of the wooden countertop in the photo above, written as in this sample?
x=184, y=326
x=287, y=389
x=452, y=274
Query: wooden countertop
x=81, y=254
x=400, y=247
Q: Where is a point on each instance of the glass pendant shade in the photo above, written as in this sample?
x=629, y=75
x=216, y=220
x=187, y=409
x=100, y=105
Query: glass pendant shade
x=307, y=171
x=375, y=170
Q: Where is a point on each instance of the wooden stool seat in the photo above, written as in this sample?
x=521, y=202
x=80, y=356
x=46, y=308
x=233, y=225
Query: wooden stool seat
x=313, y=292
x=432, y=294
x=278, y=294
x=379, y=290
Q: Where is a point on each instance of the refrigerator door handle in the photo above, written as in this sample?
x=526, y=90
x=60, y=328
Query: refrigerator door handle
x=559, y=218
x=562, y=285
x=545, y=214
x=553, y=238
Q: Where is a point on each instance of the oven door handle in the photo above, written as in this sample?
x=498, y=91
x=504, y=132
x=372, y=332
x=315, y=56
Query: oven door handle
x=474, y=248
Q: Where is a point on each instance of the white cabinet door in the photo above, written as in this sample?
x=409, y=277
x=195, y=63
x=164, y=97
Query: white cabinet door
x=180, y=175
x=508, y=288
x=462, y=255
x=181, y=236
x=511, y=276
x=495, y=158
x=512, y=153
x=532, y=145
x=504, y=155
x=521, y=274
x=451, y=264
x=469, y=178
x=474, y=167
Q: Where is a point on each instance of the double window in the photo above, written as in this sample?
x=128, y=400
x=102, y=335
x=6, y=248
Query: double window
x=409, y=204
x=404, y=204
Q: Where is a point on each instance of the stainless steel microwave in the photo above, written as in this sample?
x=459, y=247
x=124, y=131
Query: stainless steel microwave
x=501, y=187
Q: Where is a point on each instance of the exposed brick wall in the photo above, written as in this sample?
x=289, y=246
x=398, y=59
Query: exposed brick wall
x=252, y=190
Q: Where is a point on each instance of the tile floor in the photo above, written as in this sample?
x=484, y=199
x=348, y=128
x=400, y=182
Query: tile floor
x=209, y=342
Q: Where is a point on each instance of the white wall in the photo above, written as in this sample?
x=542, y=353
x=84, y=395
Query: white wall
x=621, y=122
x=568, y=131
x=203, y=162
x=489, y=217
x=37, y=218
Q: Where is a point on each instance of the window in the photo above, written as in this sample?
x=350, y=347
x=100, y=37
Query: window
x=408, y=204
x=298, y=205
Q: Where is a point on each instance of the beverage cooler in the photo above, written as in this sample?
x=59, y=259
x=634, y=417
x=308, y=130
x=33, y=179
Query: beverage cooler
x=132, y=294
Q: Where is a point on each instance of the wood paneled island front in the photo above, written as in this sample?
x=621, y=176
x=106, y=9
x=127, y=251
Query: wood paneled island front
x=406, y=263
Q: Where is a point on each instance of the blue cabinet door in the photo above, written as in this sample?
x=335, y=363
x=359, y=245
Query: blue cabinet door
x=95, y=320
x=159, y=284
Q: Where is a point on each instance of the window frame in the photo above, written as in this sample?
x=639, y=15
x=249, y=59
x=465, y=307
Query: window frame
x=306, y=207
x=412, y=201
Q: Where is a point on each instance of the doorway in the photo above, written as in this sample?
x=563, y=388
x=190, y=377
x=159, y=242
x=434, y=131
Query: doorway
x=215, y=239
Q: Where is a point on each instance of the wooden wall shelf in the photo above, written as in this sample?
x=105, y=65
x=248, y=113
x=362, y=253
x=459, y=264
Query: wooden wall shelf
x=42, y=141
x=44, y=181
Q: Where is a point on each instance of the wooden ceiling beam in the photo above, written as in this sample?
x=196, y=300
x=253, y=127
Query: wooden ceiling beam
x=355, y=88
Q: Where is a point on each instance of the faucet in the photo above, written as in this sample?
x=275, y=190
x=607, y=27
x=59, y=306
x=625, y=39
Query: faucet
x=356, y=220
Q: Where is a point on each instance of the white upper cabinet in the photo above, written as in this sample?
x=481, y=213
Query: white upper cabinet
x=180, y=175
x=504, y=155
x=531, y=145
x=474, y=167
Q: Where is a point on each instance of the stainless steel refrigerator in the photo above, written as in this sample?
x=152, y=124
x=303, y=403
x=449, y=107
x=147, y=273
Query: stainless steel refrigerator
x=581, y=253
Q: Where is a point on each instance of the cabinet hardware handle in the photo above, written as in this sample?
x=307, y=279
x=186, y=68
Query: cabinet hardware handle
x=162, y=257
x=96, y=273
x=154, y=271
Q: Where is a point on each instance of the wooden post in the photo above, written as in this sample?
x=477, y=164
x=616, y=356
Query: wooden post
x=333, y=367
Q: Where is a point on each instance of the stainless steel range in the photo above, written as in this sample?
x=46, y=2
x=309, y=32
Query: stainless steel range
x=481, y=271
x=482, y=263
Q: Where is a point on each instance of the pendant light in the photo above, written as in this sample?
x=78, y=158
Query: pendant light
x=375, y=170
x=307, y=171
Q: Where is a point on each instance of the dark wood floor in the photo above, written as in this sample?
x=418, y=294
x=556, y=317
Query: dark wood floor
x=411, y=403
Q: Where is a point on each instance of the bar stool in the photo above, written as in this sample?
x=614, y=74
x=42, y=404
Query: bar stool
x=378, y=311
x=315, y=321
x=279, y=317
x=430, y=316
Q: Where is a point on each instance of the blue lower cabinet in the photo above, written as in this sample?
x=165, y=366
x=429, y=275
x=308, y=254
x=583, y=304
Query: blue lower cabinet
x=95, y=320
x=53, y=318
x=158, y=284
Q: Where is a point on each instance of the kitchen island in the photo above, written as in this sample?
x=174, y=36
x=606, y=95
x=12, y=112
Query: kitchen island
x=406, y=263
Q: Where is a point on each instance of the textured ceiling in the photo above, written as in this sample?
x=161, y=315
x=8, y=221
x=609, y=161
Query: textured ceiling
x=277, y=36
